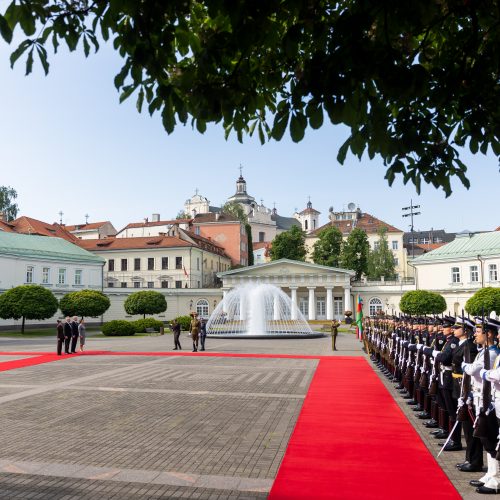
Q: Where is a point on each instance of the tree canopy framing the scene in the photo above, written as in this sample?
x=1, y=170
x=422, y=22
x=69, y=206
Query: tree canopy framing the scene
x=413, y=81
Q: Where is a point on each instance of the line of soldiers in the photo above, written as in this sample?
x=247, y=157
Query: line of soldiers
x=448, y=370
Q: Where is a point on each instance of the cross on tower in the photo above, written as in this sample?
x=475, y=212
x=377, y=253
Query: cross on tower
x=241, y=170
x=61, y=213
x=86, y=218
x=196, y=191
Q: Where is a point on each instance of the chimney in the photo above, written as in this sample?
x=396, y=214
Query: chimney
x=155, y=218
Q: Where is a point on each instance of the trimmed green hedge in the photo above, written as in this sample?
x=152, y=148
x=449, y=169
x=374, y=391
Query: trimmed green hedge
x=140, y=325
x=118, y=327
x=184, y=321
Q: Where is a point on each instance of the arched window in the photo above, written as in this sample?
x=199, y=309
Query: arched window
x=305, y=222
x=375, y=306
x=202, y=308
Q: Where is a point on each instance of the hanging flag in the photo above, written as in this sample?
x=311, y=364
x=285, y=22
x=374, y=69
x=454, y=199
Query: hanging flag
x=359, y=318
x=185, y=272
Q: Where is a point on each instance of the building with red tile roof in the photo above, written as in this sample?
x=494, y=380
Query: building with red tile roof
x=92, y=230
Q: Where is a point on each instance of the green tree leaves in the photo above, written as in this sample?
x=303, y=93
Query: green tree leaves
x=419, y=302
x=381, y=263
x=84, y=303
x=7, y=205
x=289, y=245
x=327, y=249
x=412, y=81
x=145, y=302
x=355, y=251
x=27, y=302
x=484, y=301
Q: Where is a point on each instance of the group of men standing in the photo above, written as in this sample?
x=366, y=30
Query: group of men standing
x=197, y=330
x=68, y=334
x=448, y=369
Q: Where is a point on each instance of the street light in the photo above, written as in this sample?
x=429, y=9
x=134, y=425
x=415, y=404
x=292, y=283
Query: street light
x=411, y=214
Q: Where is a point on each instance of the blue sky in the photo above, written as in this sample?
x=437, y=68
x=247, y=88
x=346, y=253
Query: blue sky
x=67, y=144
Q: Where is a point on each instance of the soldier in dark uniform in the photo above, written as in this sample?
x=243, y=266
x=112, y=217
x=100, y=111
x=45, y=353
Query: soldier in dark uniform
x=474, y=450
x=444, y=360
x=67, y=334
x=74, y=334
x=176, y=329
x=203, y=333
x=60, y=337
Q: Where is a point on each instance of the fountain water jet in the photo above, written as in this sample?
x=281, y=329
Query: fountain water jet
x=258, y=311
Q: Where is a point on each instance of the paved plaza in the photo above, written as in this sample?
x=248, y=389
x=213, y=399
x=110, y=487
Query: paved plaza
x=159, y=425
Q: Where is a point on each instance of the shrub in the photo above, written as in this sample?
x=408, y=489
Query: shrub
x=184, y=321
x=422, y=302
x=145, y=302
x=118, y=327
x=485, y=300
x=140, y=325
x=84, y=303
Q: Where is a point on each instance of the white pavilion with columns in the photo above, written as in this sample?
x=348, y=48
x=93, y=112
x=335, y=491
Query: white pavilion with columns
x=319, y=292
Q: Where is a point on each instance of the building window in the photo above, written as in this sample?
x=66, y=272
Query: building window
x=396, y=261
x=492, y=268
x=137, y=284
x=45, y=275
x=30, y=271
x=111, y=264
x=202, y=308
x=178, y=262
x=304, y=306
x=375, y=306
x=123, y=284
x=164, y=262
x=151, y=284
x=178, y=284
x=197, y=230
x=199, y=284
x=394, y=244
x=164, y=284
x=437, y=239
x=474, y=274
x=425, y=240
x=320, y=307
x=455, y=275
x=111, y=284
x=61, y=279
x=137, y=265
x=151, y=264
x=124, y=264
x=262, y=236
x=338, y=309
x=376, y=244
x=197, y=263
x=306, y=225
x=78, y=276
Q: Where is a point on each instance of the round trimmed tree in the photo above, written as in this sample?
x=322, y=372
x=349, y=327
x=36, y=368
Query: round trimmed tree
x=145, y=302
x=485, y=300
x=84, y=303
x=422, y=302
x=28, y=302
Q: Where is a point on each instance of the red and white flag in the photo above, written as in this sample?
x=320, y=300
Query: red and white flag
x=185, y=272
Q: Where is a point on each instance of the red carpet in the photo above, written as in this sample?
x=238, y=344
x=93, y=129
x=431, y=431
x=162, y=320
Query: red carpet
x=352, y=441
x=33, y=359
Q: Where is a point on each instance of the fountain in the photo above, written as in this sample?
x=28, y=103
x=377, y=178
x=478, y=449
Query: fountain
x=258, y=311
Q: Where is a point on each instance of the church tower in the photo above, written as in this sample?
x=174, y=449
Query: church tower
x=308, y=218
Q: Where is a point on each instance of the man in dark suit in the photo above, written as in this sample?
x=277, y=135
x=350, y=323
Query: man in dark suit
x=67, y=334
x=60, y=336
x=74, y=334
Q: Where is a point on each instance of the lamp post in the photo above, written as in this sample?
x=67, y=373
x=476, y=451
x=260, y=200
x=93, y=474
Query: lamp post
x=411, y=214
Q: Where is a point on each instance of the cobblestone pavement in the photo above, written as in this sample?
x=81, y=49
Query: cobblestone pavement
x=137, y=427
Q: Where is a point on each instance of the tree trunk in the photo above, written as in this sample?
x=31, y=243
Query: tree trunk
x=22, y=326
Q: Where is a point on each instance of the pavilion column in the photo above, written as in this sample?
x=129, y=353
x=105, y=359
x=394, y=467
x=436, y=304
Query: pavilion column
x=293, y=312
x=312, y=303
x=329, y=303
x=347, y=298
